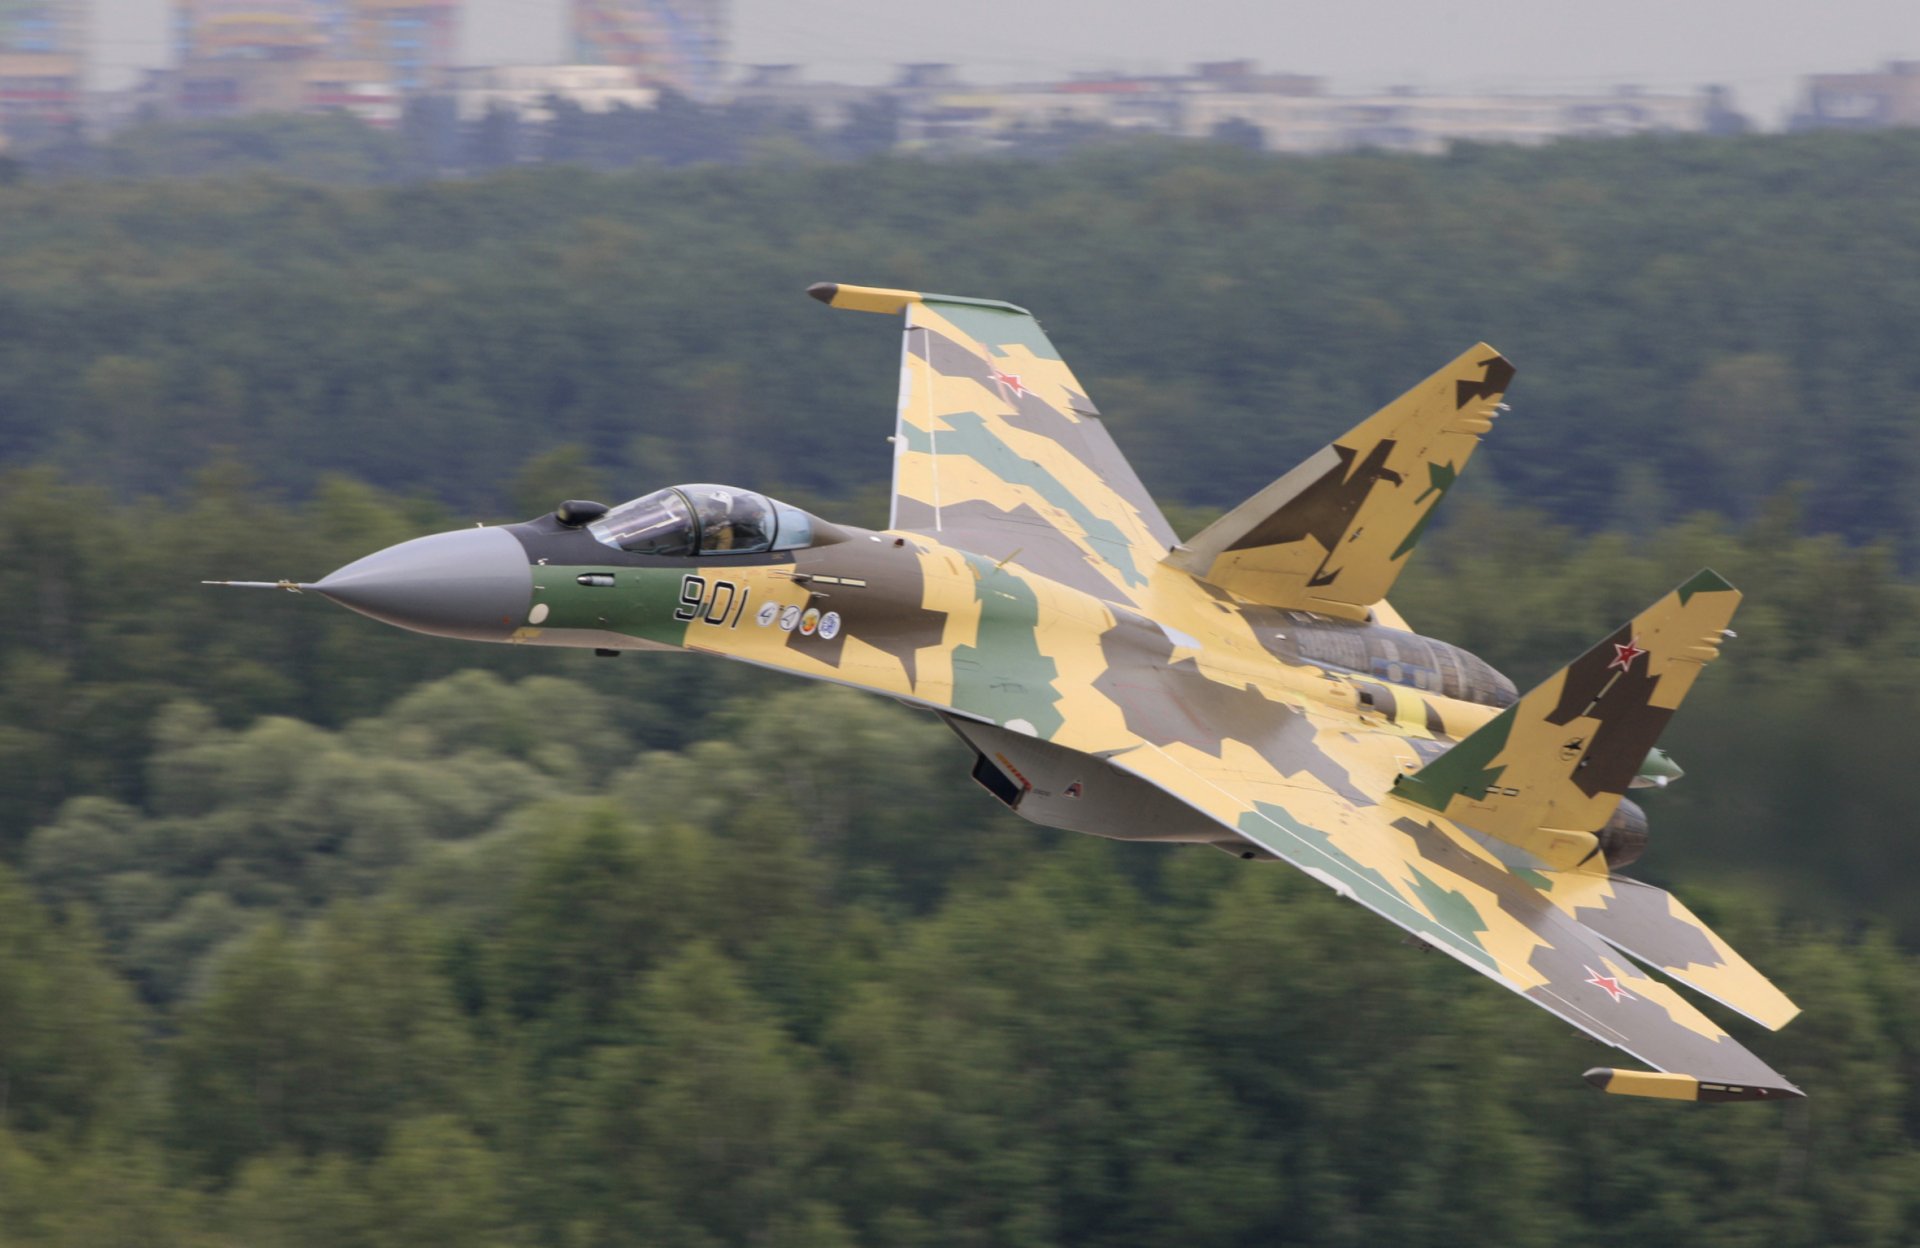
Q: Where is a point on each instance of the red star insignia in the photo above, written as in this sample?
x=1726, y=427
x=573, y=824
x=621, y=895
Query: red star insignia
x=1010, y=381
x=1607, y=983
x=1624, y=655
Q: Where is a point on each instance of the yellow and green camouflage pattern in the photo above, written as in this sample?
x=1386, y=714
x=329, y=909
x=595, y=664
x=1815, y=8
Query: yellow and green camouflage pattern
x=1251, y=690
x=1332, y=535
x=1547, y=774
x=997, y=448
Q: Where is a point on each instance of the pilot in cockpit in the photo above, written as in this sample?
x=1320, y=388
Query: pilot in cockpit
x=704, y=520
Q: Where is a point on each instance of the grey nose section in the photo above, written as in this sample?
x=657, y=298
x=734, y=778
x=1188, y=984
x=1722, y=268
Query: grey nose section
x=471, y=583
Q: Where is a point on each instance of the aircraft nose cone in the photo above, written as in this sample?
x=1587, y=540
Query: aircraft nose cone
x=471, y=583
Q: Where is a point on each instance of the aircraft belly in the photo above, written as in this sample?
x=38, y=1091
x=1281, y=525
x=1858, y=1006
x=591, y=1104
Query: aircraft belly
x=1058, y=787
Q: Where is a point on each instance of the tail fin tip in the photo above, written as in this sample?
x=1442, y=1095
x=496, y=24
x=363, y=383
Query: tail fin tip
x=1706, y=580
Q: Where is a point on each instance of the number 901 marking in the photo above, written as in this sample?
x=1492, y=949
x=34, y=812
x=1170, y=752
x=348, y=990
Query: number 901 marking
x=711, y=602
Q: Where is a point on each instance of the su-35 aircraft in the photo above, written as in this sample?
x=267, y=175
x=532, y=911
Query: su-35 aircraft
x=1249, y=689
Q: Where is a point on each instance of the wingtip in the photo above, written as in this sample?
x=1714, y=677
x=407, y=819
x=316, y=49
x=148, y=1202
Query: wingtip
x=883, y=299
x=1668, y=1086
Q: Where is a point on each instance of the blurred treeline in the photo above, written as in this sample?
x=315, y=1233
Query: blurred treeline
x=432, y=140
x=308, y=938
x=313, y=932
x=486, y=975
x=1698, y=323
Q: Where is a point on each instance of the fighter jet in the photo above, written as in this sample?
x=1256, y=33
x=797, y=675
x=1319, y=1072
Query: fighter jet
x=1249, y=689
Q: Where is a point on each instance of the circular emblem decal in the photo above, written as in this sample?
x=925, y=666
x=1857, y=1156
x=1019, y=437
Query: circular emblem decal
x=539, y=613
x=810, y=621
x=789, y=618
x=768, y=614
x=830, y=626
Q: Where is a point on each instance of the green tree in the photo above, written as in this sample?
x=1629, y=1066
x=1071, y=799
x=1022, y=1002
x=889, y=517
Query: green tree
x=68, y=1028
x=315, y=1044
x=701, y=1132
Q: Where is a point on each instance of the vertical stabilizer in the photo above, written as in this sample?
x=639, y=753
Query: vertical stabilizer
x=1548, y=772
x=1332, y=535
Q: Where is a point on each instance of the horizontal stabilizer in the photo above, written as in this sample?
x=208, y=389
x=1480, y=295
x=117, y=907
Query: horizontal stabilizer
x=1670, y=1087
x=1548, y=772
x=1652, y=926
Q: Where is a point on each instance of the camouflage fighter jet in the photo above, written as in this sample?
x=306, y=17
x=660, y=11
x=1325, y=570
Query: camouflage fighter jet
x=1248, y=689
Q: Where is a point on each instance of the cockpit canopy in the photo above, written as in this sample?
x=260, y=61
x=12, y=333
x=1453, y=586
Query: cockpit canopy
x=704, y=520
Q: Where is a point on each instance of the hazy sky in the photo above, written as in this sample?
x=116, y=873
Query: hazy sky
x=1757, y=47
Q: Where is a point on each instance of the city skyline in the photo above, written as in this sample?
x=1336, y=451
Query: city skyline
x=1759, y=50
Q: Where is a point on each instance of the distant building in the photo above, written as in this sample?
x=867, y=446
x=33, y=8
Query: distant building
x=259, y=30
x=359, y=56
x=1407, y=121
x=1246, y=76
x=939, y=110
x=235, y=87
x=43, y=28
x=1861, y=101
x=526, y=89
x=414, y=39
x=42, y=66
x=679, y=45
x=1287, y=112
x=827, y=105
x=928, y=76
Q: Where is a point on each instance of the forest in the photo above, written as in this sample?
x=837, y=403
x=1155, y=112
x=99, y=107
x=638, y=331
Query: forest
x=1698, y=323
x=313, y=932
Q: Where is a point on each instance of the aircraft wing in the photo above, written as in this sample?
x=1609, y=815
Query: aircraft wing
x=1421, y=872
x=998, y=450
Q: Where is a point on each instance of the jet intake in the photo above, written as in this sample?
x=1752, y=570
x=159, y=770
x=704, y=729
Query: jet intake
x=997, y=782
x=1624, y=838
